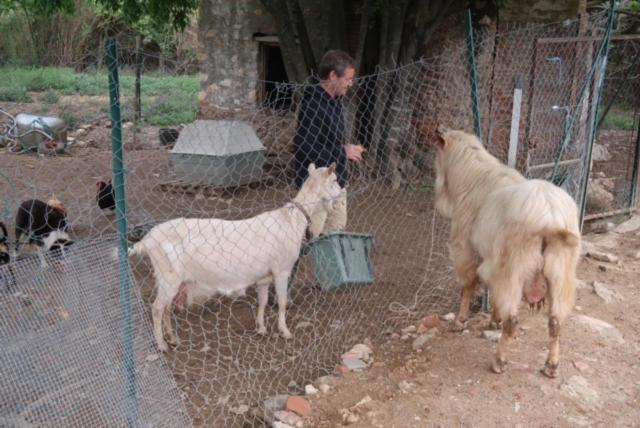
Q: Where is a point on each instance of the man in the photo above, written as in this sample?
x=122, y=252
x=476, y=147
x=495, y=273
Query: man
x=320, y=136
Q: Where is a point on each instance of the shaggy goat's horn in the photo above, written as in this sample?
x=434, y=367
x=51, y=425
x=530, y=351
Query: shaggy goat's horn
x=441, y=129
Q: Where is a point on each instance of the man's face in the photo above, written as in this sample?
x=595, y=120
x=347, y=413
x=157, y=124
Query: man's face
x=341, y=84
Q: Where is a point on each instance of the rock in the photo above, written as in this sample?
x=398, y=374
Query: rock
x=151, y=357
x=310, y=390
x=581, y=366
x=406, y=386
x=601, y=226
x=354, y=364
x=299, y=405
x=365, y=400
x=274, y=404
x=581, y=421
x=422, y=340
x=240, y=409
x=341, y=369
x=637, y=255
x=582, y=284
x=348, y=417
x=449, y=317
x=303, y=324
x=409, y=329
x=278, y=424
x=292, y=384
x=327, y=380
x=629, y=226
x=287, y=417
x=430, y=321
x=324, y=388
x=492, y=335
x=602, y=256
x=600, y=153
x=604, y=293
x=578, y=388
x=586, y=247
x=598, y=198
x=604, y=328
x=80, y=132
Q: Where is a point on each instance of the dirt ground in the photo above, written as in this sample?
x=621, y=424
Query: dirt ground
x=449, y=383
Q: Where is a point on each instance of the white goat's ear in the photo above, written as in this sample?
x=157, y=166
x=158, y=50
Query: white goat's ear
x=331, y=169
x=312, y=167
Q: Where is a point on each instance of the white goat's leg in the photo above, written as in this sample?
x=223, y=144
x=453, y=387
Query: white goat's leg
x=166, y=324
x=157, y=315
x=263, y=297
x=281, y=280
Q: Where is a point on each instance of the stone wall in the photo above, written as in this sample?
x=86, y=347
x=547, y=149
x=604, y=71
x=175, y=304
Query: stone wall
x=229, y=55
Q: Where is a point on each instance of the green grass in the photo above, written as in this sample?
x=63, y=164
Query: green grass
x=14, y=93
x=49, y=97
x=166, y=100
x=614, y=120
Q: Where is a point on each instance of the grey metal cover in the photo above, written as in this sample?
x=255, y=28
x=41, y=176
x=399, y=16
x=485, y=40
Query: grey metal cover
x=217, y=138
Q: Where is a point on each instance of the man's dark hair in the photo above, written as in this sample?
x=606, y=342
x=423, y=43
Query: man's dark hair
x=335, y=60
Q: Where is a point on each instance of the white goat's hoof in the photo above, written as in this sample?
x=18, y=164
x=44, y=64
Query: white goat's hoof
x=286, y=334
x=262, y=331
x=163, y=346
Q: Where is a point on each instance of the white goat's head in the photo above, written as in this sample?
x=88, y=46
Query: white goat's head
x=322, y=185
x=444, y=205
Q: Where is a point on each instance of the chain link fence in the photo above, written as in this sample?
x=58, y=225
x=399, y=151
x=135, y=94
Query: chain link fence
x=69, y=314
x=614, y=180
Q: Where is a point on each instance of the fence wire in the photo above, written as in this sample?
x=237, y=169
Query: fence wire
x=239, y=166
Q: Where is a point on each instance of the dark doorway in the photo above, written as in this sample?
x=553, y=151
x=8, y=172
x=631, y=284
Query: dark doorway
x=277, y=91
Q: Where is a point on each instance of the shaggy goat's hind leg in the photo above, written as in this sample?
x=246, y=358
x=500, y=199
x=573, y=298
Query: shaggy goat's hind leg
x=263, y=297
x=508, y=332
x=281, y=281
x=551, y=366
x=467, y=293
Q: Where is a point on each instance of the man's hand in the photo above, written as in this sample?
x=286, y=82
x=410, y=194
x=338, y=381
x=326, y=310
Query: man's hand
x=354, y=151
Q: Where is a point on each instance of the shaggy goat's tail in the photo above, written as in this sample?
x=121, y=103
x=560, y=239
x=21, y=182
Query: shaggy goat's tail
x=561, y=256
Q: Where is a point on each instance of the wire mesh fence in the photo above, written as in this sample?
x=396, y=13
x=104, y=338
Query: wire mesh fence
x=614, y=182
x=213, y=208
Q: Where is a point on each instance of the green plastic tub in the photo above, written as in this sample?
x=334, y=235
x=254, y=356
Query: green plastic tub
x=343, y=258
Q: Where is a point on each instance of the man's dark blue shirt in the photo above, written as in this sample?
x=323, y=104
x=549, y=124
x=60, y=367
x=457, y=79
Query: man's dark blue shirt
x=320, y=135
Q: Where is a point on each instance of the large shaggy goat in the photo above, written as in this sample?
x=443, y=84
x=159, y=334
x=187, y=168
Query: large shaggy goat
x=194, y=259
x=520, y=237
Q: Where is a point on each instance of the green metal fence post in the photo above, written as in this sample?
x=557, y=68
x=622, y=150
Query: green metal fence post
x=475, y=105
x=473, y=76
x=604, y=52
x=636, y=165
x=121, y=219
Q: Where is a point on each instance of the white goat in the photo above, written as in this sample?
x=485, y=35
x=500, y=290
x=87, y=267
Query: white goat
x=194, y=259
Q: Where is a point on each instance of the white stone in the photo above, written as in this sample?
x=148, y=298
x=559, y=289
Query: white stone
x=422, y=340
x=600, y=153
x=492, y=335
x=287, y=417
x=324, y=388
x=577, y=387
x=604, y=328
x=602, y=256
x=449, y=317
x=409, y=329
x=278, y=424
x=240, y=409
x=310, y=390
x=629, y=226
x=605, y=293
